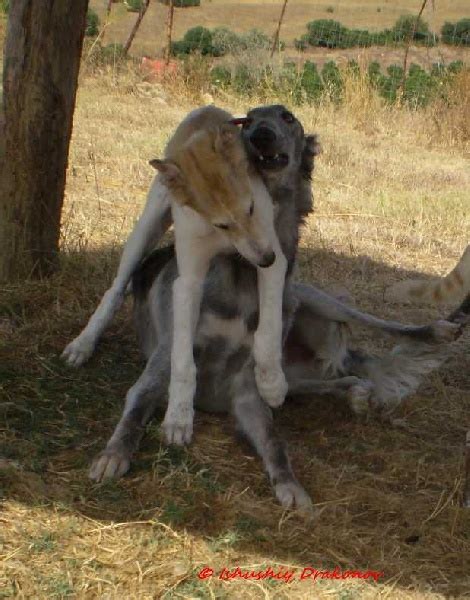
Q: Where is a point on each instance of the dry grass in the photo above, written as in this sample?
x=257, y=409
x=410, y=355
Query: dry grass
x=392, y=199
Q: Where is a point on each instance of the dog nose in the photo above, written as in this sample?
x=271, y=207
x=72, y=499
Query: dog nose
x=262, y=137
x=267, y=260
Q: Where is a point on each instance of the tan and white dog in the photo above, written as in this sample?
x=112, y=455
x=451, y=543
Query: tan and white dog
x=218, y=205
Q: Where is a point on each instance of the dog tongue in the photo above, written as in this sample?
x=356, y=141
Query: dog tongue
x=239, y=120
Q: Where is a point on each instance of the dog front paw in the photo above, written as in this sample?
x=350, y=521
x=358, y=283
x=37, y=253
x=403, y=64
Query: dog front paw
x=112, y=463
x=78, y=351
x=292, y=495
x=272, y=386
x=177, y=426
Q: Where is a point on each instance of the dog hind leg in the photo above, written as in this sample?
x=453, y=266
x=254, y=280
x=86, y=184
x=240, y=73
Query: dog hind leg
x=330, y=308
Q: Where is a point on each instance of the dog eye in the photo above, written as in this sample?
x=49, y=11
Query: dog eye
x=221, y=225
x=252, y=208
x=288, y=117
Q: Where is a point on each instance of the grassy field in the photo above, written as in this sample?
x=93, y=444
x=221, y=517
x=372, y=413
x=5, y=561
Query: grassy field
x=392, y=198
x=245, y=15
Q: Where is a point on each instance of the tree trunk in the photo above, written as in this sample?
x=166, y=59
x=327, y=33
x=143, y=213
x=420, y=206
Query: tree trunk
x=42, y=58
x=134, y=30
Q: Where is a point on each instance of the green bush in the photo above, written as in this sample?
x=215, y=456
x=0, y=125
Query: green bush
x=134, y=5
x=408, y=27
x=419, y=86
x=196, y=39
x=311, y=82
x=327, y=33
x=332, y=80
x=4, y=6
x=221, y=76
x=92, y=23
x=457, y=34
x=182, y=3
x=255, y=40
x=225, y=41
x=221, y=41
x=417, y=89
x=302, y=43
x=199, y=39
x=244, y=80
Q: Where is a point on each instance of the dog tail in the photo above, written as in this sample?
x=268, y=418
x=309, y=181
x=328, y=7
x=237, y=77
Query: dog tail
x=448, y=288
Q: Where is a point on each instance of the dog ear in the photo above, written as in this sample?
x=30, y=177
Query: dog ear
x=228, y=143
x=312, y=145
x=227, y=136
x=170, y=172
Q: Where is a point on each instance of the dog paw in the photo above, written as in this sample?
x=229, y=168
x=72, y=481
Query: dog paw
x=359, y=397
x=178, y=427
x=445, y=331
x=272, y=386
x=112, y=463
x=78, y=351
x=292, y=495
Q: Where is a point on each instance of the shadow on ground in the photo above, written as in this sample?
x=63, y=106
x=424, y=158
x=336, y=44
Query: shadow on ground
x=390, y=496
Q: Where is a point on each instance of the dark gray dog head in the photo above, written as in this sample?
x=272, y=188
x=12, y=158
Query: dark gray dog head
x=276, y=143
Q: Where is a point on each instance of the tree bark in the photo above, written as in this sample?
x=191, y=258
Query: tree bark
x=42, y=58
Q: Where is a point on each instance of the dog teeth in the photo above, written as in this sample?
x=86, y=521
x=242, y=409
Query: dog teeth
x=261, y=157
x=276, y=157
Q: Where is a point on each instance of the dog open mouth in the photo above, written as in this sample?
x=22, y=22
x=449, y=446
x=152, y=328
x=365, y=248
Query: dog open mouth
x=271, y=162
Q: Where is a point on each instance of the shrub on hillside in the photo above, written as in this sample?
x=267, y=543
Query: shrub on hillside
x=255, y=40
x=408, y=27
x=92, y=23
x=302, y=43
x=196, y=39
x=133, y=5
x=332, y=80
x=4, y=6
x=327, y=33
x=182, y=3
x=221, y=41
x=221, y=76
x=225, y=41
x=457, y=34
x=311, y=82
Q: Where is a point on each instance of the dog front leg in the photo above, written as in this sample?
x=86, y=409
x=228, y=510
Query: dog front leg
x=149, y=391
x=193, y=262
x=150, y=227
x=267, y=348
